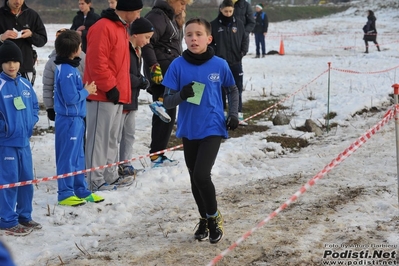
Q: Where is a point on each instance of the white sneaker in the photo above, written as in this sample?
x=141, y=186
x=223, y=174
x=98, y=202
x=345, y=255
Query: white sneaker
x=241, y=120
x=158, y=109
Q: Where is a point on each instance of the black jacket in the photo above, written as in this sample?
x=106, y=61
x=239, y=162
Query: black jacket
x=27, y=19
x=262, y=22
x=135, y=80
x=230, y=40
x=370, y=31
x=80, y=20
x=165, y=44
x=243, y=11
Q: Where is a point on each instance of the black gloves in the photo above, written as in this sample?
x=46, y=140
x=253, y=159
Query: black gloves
x=232, y=123
x=51, y=114
x=113, y=95
x=144, y=83
x=187, y=91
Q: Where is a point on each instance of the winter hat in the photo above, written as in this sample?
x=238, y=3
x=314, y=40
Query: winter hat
x=129, y=5
x=259, y=6
x=141, y=25
x=9, y=51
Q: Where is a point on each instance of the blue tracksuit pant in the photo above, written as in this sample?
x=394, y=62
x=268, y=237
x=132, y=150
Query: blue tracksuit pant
x=70, y=156
x=15, y=203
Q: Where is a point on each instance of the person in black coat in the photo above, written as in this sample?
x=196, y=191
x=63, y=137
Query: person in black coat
x=243, y=11
x=370, y=31
x=24, y=27
x=84, y=19
x=230, y=42
x=165, y=45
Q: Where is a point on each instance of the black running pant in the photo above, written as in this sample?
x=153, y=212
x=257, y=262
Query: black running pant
x=200, y=155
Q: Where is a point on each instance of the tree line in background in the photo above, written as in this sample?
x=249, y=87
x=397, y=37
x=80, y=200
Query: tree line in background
x=63, y=11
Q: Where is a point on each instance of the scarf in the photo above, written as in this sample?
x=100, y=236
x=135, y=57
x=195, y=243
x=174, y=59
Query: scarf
x=198, y=59
x=62, y=60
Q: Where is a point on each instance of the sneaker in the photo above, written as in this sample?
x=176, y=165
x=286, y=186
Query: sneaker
x=31, y=224
x=72, y=201
x=202, y=231
x=123, y=181
x=126, y=170
x=241, y=120
x=162, y=160
x=18, y=230
x=94, y=198
x=215, y=226
x=158, y=109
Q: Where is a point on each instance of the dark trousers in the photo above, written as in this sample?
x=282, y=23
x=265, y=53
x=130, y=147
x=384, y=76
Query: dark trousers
x=238, y=75
x=161, y=131
x=200, y=155
x=260, y=43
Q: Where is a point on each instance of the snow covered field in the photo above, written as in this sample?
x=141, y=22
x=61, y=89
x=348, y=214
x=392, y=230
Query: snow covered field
x=355, y=204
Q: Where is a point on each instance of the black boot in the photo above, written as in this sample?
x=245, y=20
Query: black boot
x=367, y=50
x=378, y=48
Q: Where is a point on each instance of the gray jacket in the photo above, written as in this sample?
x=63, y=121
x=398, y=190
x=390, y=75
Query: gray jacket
x=48, y=78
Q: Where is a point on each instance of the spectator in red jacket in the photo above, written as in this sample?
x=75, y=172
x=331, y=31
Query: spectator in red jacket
x=108, y=67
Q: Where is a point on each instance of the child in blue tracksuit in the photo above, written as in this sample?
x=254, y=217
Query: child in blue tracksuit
x=201, y=122
x=18, y=115
x=260, y=30
x=70, y=108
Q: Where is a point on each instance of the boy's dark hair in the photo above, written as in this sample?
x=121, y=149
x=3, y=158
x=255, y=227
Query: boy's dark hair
x=67, y=43
x=201, y=21
x=227, y=3
x=87, y=1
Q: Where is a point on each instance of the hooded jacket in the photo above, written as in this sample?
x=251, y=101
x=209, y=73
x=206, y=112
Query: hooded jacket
x=80, y=20
x=16, y=126
x=165, y=44
x=27, y=19
x=108, y=60
x=243, y=12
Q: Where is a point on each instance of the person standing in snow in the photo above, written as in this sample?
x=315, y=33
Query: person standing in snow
x=70, y=106
x=370, y=31
x=201, y=123
x=108, y=64
x=19, y=110
x=48, y=79
x=230, y=42
x=260, y=30
x=141, y=31
x=83, y=20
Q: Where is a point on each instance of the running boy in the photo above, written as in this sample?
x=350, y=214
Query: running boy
x=194, y=81
x=141, y=31
x=19, y=113
x=70, y=108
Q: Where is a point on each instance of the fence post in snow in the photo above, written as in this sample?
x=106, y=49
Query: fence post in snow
x=328, y=99
x=395, y=96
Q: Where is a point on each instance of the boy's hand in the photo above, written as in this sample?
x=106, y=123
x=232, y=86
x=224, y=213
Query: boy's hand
x=91, y=88
x=187, y=91
x=156, y=74
x=232, y=123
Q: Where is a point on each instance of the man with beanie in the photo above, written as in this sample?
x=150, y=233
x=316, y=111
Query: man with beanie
x=19, y=109
x=260, y=30
x=141, y=31
x=164, y=47
x=24, y=27
x=108, y=64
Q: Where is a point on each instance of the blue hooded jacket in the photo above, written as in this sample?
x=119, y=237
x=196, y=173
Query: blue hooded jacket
x=16, y=126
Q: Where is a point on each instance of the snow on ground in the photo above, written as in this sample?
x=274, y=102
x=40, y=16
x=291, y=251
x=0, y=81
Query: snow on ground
x=355, y=204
